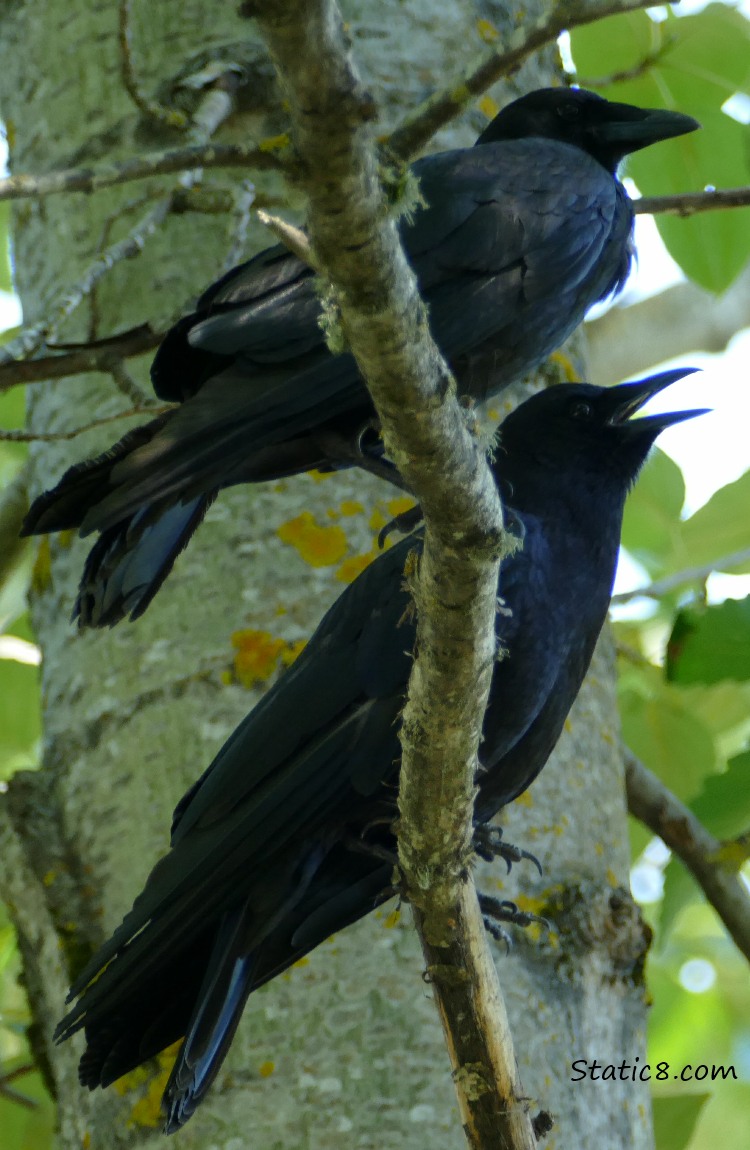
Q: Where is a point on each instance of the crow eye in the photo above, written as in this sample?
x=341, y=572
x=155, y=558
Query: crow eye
x=581, y=410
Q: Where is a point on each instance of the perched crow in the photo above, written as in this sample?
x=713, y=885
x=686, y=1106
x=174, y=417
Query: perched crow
x=286, y=837
x=517, y=238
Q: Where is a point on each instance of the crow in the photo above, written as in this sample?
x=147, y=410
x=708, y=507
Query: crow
x=287, y=836
x=517, y=238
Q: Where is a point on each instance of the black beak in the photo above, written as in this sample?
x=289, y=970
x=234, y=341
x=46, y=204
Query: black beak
x=630, y=397
x=628, y=129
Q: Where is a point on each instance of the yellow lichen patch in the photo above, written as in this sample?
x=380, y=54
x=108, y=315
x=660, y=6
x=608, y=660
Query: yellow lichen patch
x=488, y=32
x=399, y=505
x=318, y=546
x=566, y=363
x=493, y=413
x=300, y=962
x=291, y=651
x=49, y=878
x=65, y=538
x=612, y=877
x=488, y=107
x=530, y=905
x=460, y=94
x=319, y=476
x=258, y=654
x=568, y=726
x=274, y=143
x=41, y=572
x=86, y=1141
x=377, y=520
x=351, y=507
x=280, y=609
x=524, y=799
x=226, y=678
x=354, y=566
x=266, y=1068
x=599, y=849
x=392, y=919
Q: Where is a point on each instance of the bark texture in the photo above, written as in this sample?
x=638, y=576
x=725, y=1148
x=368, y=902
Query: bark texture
x=346, y=1050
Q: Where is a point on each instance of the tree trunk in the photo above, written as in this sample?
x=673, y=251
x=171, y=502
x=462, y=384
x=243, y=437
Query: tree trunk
x=345, y=1050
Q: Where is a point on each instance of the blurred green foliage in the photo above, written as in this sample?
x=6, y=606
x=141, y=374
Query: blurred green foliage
x=695, y=64
x=684, y=666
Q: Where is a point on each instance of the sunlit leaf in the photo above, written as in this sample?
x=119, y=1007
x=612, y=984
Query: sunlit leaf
x=723, y=805
x=668, y=738
x=675, y=1118
x=652, y=531
x=710, y=644
x=721, y=527
x=5, y=276
x=697, y=63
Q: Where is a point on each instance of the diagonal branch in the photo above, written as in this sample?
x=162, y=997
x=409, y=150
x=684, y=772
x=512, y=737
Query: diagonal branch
x=455, y=583
x=102, y=355
x=505, y=57
x=267, y=156
x=651, y=802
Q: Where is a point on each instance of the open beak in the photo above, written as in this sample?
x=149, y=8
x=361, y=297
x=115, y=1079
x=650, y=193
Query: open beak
x=628, y=398
x=629, y=129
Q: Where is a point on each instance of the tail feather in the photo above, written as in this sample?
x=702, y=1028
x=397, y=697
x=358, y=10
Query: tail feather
x=221, y=1001
x=130, y=561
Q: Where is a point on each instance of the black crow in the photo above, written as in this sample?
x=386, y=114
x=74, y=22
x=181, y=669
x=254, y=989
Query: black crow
x=516, y=240
x=286, y=838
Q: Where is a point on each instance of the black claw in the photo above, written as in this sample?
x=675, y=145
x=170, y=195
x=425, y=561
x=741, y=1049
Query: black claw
x=404, y=523
x=489, y=845
x=502, y=910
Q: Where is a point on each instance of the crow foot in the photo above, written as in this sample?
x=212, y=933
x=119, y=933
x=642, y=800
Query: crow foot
x=489, y=844
x=495, y=910
x=403, y=523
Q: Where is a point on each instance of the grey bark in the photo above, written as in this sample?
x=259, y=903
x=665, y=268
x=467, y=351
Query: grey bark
x=133, y=715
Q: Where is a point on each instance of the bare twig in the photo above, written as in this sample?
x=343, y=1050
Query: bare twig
x=455, y=583
x=55, y=436
x=292, y=237
x=689, y=575
x=651, y=802
x=30, y=338
x=503, y=58
x=151, y=109
x=689, y=203
x=101, y=356
x=266, y=156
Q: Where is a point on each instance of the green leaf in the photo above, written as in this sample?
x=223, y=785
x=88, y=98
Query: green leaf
x=721, y=527
x=710, y=644
x=675, y=1117
x=671, y=741
x=680, y=890
x=20, y=721
x=702, y=60
x=651, y=529
x=6, y=283
x=723, y=806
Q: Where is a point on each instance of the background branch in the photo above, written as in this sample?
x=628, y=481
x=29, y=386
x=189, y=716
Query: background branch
x=420, y=126
x=690, y=203
x=684, y=318
x=689, y=575
x=99, y=356
x=264, y=157
x=651, y=802
x=455, y=583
